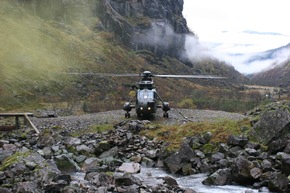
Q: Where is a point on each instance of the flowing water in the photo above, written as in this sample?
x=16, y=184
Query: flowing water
x=152, y=176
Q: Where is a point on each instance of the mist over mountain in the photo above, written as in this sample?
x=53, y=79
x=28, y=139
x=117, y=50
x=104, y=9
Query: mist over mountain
x=278, y=73
x=277, y=55
x=41, y=40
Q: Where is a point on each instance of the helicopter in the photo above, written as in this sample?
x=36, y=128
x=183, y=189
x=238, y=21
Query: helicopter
x=147, y=100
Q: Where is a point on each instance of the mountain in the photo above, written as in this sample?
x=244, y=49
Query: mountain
x=154, y=25
x=277, y=55
x=42, y=40
x=276, y=76
x=279, y=72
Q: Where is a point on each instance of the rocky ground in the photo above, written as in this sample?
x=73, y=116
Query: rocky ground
x=49, y=162
x=176, y=116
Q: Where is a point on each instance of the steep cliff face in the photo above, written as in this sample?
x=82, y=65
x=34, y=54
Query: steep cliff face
x=154, y=25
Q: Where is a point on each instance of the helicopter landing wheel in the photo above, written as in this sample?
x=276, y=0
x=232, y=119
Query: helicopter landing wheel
x=127, y=115
x=165, y=115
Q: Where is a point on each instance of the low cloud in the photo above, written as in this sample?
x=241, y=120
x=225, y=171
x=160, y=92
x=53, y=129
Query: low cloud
x=196, y=50
x=242, y=56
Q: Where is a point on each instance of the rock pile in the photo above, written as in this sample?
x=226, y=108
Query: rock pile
x=107, y=162
x=49, y=162
x=262, y=162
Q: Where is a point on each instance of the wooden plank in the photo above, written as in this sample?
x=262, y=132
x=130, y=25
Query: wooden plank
x=16, y=114
x=31, y=124
x=7, y=128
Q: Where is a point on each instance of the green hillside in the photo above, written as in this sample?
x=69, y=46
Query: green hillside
x=42, y=40
x=34, y=51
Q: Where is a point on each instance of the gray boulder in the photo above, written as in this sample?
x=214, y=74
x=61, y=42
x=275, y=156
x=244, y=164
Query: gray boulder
x=278, y=183
x=220, y=177
x=272, y=125
x=242, y=170
x=176, y=161
x=132, y=168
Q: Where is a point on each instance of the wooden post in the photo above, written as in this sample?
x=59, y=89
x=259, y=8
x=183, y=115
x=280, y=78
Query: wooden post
x=30, y=123
x=17, y=125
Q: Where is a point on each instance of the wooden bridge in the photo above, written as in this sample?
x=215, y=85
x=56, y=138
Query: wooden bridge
x=26, y=118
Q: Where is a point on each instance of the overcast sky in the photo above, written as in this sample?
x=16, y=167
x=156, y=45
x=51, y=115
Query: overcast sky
x=228, y=27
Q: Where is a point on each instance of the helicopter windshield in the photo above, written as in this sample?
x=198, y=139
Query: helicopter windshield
x=145, y=94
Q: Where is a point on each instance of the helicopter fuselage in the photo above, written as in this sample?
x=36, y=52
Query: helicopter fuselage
x=146, y=103
x=146, y=99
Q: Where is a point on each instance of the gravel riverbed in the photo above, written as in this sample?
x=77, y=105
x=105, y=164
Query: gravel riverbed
x=176, y=116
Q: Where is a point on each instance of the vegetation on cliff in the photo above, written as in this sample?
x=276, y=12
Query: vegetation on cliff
x=42, y=40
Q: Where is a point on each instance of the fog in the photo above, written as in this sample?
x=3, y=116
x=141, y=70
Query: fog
x=37, y=37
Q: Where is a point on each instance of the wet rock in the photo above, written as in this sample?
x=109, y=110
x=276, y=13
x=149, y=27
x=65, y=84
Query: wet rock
x=83, y=149
x=205, y=138
x=101, y=147
x=151, y=153
x=26, y=187
x=272, y=125
x=53, y=187
x=132, y=168
x=170, y=181
x=72, y=141
x=217, y=157
x=278, y=182
x=285, y=162
x=47, y=152
x=66, y=164
x=266, y=165
x=223, y=148
x=4, y=154
x=148, y=162
x=126, y=179
x=252, y=152
x=99, y=179
x=5, y=190
x=189, y=191
x=137, y=158
x=280, y=143
x=110, y=153
x=47, y=138
x=91, y=164
x=237, y=141
x=287, y=148
x=242, y=170
x=80, y=158
x=48, y=172
x=220, y=177
x=235, y=151
x=255, y=173
x=175, y=161
x=71, y=189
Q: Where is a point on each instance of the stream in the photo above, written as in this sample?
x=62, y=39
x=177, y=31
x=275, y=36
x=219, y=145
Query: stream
x=153, y=176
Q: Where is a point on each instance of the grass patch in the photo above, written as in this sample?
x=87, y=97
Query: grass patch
x=93, y=129
x=220, y=130
x=13, y=159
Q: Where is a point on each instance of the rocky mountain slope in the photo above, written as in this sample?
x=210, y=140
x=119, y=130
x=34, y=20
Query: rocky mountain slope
x=41, y=40
x=278, y=73
x=157, y=26
x=276, y=76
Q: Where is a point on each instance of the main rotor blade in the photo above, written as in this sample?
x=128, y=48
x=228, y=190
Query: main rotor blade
x=189, y=76
x=102, y=74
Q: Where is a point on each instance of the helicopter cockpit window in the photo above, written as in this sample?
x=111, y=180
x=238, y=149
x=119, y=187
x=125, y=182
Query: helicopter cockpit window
x=146, y=94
